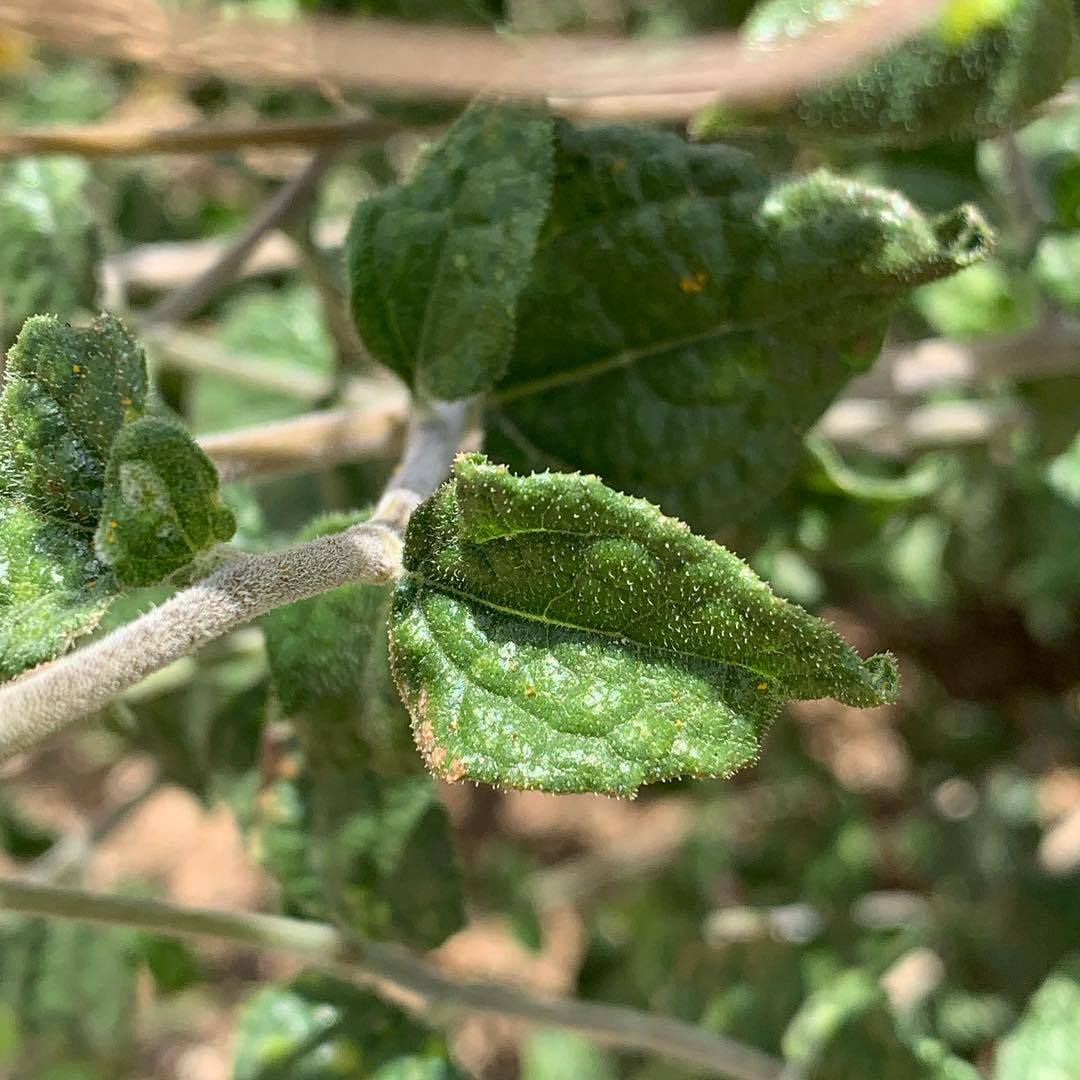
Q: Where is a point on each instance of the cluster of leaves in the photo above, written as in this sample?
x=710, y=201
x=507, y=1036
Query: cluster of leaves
x=637, y=314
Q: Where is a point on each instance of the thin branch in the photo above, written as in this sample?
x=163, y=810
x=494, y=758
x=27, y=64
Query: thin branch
x=113, y=140
x=380, y=963
x=48, y=699
x=316, y=440
x=172, y=263
x=584, y=76
x=284, y=202
x=71, y=851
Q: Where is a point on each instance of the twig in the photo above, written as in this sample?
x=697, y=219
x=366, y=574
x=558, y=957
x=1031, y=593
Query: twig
x=380, y=963
x=112, y=140
x=586, y=76
x=70, y=852
x=172, y=263
x=284, y=202
x=48, y=699
x=316, y=440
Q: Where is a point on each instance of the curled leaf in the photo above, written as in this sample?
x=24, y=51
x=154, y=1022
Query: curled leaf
x=552, y=633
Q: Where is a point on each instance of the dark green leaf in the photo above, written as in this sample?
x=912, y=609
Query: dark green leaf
x=437, y=265
x=172, y=965
x=552, y=633
x=978, y=70
x=48, y=243
x=686, y=322
x=1043, y=1045
x=320, y=1028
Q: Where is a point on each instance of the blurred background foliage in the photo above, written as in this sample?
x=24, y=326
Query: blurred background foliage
x=882, y=890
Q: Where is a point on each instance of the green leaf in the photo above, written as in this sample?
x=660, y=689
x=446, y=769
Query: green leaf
x=977, y=71
x=161, y=506
x=436, y=265
x=551, y=633
x=320, y=1028
x=1057, y=267
x=361, y=834
x=77, y=455
x=1063, y=473
x=553, y=1055
x=686, y=323
x=49, y=245
x=1043, y=1045
x=845, y=1029
x=71, y=989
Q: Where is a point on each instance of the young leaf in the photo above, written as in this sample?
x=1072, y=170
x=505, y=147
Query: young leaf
x=161, y=506
x=321, y=1028
x=1043, y=1045
x=49, y=245
x=551, y=633
x=978, y=71
x=436, y=265
x=77, y=455
x=686, y=323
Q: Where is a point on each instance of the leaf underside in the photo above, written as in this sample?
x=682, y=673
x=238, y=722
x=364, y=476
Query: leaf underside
x=554, y=634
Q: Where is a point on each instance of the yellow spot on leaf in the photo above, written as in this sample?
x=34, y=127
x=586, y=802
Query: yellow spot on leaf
x=694, y=283
x=530, y=691
x=76, y=369
x=763, y=686
x=619, y=165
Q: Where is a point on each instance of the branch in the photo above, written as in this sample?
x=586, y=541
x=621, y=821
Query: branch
x=284, y=202
x=113, y=140
x=584, y=77
x=380, y=963
x=48, y=699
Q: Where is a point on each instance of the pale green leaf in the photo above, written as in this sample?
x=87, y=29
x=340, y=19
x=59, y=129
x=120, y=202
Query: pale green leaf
x=48, y=242
x=1043, y=1046
x=551, y=633
x=321, y=1028
x=436, y=265
x=979, y=69
x=1057, y=267
x=686, y=322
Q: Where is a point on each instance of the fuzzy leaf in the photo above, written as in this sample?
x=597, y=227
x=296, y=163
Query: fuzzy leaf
x=320, y=1028
x=1043, y=1045
x=551, y=633
x=978, y=71
x=437, y=265
x=361, y=835
x=161, y=506
x=72, y=437
x=48, y=243
x=686, y=323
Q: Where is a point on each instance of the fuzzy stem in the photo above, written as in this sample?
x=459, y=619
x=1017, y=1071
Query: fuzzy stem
x=384, y=964
x=50, y=698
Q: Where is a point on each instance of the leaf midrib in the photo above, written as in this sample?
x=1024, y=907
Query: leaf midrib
x=627, y=357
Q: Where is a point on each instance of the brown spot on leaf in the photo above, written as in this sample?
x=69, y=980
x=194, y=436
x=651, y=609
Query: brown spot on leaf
x=456, y=771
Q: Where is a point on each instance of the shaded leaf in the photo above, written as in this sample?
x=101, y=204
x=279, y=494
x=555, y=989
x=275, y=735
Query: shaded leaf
x=49, y=245
x=361, y=835
x=686, y=323
x=551, y=633
x=320, y=1028
x=436, y=265
x=1043, y=1045
x=979, y=70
